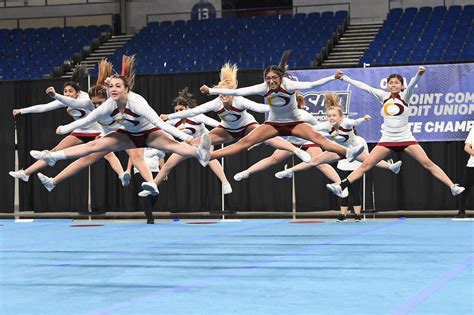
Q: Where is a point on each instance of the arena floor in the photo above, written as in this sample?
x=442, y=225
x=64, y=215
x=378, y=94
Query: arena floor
x=404, y=266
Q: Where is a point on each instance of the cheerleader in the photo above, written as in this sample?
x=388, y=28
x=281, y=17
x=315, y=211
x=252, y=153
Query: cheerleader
x=194, y=126
x=78, y=136
x=98, y=94
x=341, y=130
x=280, y=155
x=154, y=159
x=396, y=133
x=140, y=127
x=468, y=180
x=355, y=197
x=284, y=118
x=236, y=122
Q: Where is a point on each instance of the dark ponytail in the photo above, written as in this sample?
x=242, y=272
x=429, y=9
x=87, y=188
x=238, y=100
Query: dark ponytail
x=282, y=67
x=76, y=77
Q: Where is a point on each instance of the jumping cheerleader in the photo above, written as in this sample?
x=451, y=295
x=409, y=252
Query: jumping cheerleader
x=396, y=133
x=78, y=136
x=194, y=126
x=284, y=118
x=140, y=127
x=280, y=155
x=98, y=94
x=341, y=130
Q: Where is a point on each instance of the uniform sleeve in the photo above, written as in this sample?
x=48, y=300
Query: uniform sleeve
x=253, y=106
x=309, y=118
x=259, y=89
x=322, y=127
x=208, y=121
x=380, y=94
x=470, y=137
x=353, y=122
x=409, y=90
x=74, y=103
x=201, y=109
x=292, y=86
x=42, y=108
x=154, y=153
x=145, y=110
x=160, y=154
x=101, y=112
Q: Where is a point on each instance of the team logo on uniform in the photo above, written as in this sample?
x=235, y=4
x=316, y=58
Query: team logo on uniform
x=316, y=105
x=76, y=113
x=393, y=109
x=278, y=100
x=229, y=117
x=188, y=130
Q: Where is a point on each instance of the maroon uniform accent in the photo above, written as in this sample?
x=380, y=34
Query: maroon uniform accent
x=397, y=146
x=139, y=139
x=397, y=97
x=187, y=121
x=190, y=122
x=277, y=90
x=305, y=147
x=232, y=108
x=241, y=131
x=340, y=128
x=284, y=129
x=85, y=137
x=126, y=111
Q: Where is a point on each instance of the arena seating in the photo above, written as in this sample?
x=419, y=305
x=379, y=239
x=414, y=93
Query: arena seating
x=424, y=35
x=251, y=42
x=31, y=53
x=409, y=36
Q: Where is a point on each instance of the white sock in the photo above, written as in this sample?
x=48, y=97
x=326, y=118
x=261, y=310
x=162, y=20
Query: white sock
x=59, y=155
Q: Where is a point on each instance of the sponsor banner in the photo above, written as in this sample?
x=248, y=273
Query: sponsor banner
x=441, y=107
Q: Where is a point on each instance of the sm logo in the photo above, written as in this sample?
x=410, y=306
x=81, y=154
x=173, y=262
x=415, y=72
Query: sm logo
x=316, y=104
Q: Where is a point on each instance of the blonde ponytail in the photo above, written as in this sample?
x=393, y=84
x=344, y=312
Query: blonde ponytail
x=228, y=76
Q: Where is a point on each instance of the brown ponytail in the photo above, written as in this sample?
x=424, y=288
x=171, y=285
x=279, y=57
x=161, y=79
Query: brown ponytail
x=300, y=101
x=128, y=69
x=184, y=98
x=105, y=71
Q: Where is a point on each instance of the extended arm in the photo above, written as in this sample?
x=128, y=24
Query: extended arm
x=201, y=109
x=208, y=121
x=42, y=108
x=292, y=86
x=409, y=90
x=380, y=94
x=97, y=114
x=253, y=106
x=72, y=102
x=259, y=89
x=149, y=114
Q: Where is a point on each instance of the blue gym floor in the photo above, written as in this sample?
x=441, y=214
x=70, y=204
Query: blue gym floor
x=410, y=266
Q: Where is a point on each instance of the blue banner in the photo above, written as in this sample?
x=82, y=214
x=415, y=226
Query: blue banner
x=441, y=107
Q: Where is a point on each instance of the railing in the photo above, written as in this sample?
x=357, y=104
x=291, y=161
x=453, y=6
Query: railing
x=58, y=21
x=400, y=4
x=36, y=3
x=186, y=15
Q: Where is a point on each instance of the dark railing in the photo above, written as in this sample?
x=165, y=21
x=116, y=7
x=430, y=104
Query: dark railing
x=252, y=11
x=22, y=4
